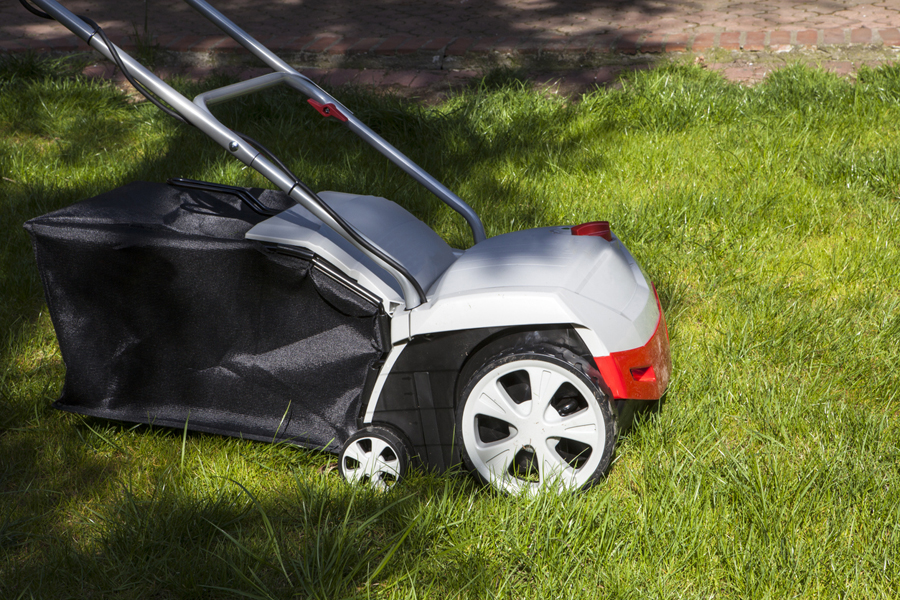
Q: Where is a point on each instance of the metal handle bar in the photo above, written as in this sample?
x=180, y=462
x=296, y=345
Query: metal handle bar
x=307, y=86
x=203, y=120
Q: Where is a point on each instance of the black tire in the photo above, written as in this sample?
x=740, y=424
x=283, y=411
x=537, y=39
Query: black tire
x=532, y=418
x=376, y=456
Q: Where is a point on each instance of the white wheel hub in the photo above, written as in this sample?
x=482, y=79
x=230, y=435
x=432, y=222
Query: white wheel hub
x=533, y=423
x=371, y=460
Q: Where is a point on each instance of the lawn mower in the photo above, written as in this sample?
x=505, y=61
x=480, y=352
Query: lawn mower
x=339, y=321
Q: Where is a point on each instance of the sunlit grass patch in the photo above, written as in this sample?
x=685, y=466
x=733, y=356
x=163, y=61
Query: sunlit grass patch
x=768, y=217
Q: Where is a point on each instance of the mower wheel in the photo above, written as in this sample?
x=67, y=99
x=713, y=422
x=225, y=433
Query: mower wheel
x=376, y=456
x=531, y=419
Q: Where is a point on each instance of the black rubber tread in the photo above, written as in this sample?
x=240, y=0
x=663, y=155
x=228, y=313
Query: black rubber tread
x=565, y=358
x=398, y=442
x=557, y=339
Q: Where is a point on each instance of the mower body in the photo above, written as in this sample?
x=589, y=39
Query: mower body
x=340, y=321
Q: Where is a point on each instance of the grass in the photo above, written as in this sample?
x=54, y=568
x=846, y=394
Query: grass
x=768, y=218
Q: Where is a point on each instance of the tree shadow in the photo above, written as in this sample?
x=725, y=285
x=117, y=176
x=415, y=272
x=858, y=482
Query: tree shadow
x=367, y=19
x=313, y=538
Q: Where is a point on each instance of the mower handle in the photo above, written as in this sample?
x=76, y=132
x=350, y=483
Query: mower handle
x=197, y=114
x=307, y=86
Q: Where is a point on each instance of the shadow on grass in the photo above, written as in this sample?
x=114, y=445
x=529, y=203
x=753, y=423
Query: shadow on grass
x=312, y=538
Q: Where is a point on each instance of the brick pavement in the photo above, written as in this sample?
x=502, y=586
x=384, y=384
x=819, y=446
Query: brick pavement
x=460, y=35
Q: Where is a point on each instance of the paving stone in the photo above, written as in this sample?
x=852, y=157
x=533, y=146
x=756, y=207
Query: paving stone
x=68, y=44
x=832, y=22
x=342, y=46
x=338, y=77
x=428, y=79
x=653, y=43
x=278, y=43
x=365, y=45
x=529, y=47
x=558, y=43
x=11, y=46
x=607, y=42
x=743, y=74
x=459, y=46
x=486, y=44
x=322, y=43
x=842, y=67
x=755, y=41
x=436, y=44
x=607, y=75
x=730, y=40
x=186, y=42
x=861, y=35
x=398, y=79
x=166, y=41
x=100, y=71
x=461, y=76
x=834, y=36
x=808, y=37
x=208, y=44
x=780, y=41
x=316, y=75
x=300, y=43
x=572, y=45
x=749, y=23
x=628, y=43
x=251, y=73
x=677, y=42
x=710, y=16
x=704, y=41
x=411, y=45
x=507, y=45
x=229, y=45
x=390, y=45
x=370, y=77
x=890, y=37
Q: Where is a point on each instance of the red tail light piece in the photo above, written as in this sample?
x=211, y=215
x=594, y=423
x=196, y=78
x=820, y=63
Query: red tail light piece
x=596, y=228
x=643, y=374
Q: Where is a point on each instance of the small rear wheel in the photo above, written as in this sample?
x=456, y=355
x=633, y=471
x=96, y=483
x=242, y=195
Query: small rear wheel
x=376, y=456
x=531, y=419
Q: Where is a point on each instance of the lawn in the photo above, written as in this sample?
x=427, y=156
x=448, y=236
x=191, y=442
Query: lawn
x=769, y=219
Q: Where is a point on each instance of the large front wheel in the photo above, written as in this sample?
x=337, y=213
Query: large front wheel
x=531, y=419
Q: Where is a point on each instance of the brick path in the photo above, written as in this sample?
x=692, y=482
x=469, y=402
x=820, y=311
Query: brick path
x=454, y=35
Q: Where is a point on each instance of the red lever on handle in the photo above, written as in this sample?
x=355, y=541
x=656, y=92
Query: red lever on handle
x=328, y=110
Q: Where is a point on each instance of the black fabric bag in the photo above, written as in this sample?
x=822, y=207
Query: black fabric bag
x=165, y=314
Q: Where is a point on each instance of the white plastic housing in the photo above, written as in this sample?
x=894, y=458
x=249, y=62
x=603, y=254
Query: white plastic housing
x=544, y=276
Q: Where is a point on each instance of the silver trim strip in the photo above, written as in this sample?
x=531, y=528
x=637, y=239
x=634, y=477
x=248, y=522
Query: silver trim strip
x=382, y=379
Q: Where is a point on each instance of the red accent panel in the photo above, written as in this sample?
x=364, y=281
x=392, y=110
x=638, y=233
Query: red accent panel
x=641, y=373
x=612, y=376
x=597, y=228
x=328, y=110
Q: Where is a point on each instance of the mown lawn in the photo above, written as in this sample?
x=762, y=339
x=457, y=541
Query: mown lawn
x=769, y=218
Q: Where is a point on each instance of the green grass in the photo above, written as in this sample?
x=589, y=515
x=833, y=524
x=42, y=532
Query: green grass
x=769, y=218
